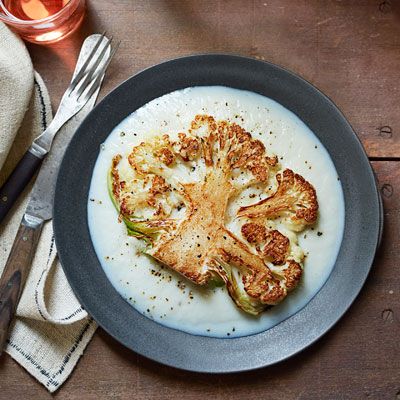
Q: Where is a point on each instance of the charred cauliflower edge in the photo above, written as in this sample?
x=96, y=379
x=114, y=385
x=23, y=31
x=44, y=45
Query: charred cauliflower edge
x=258, y=269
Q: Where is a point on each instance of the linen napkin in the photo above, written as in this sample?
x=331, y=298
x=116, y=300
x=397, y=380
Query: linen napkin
x=51, y=329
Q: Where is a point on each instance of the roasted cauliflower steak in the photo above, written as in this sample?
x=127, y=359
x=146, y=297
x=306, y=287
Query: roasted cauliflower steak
x=183, y=220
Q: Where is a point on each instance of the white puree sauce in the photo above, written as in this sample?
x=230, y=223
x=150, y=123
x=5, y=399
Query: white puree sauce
x=197, y=310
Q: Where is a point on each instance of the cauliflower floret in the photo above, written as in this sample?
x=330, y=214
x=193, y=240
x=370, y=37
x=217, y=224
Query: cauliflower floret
x=158, y=187
x=152, y=157
x=145, y=202
x=295, y=199
x=254, y=233
x=278, y=249
x=126, y=194
x=259, y=271
x=229, y=147
x=270, y=243
x=292, y=273
x=187, y=147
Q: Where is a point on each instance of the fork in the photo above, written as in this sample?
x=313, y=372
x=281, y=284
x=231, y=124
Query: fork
x=81, y=88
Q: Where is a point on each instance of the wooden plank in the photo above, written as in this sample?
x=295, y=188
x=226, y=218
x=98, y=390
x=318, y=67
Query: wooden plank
x=358, y=358
x=350, y=50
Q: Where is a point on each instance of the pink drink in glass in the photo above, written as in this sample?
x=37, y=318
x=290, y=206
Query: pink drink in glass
x=42, y=21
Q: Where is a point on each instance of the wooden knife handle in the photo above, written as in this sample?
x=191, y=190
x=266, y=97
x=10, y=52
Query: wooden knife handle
x=16, y=270
x=17, y=181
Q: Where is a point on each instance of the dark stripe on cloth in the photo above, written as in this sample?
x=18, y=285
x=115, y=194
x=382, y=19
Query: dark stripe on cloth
x=52, y=381
x=43, y=111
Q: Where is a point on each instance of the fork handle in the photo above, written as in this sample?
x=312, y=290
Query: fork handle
x=17, y=181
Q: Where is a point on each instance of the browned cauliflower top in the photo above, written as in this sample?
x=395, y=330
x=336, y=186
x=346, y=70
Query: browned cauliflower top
x=184, y=221
x=295, y=198
x=275, y=245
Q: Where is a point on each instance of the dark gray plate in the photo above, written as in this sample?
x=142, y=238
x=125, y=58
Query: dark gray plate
x=198, y=353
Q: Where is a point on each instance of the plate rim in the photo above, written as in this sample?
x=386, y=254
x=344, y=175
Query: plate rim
x=349, y=128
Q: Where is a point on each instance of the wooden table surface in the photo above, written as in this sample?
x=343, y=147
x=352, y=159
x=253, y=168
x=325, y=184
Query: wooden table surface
x=350, y=50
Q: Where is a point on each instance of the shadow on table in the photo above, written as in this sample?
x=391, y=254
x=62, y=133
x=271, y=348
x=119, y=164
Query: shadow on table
x=148, y=367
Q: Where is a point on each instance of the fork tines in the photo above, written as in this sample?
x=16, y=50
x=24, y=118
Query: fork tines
x=99, y=75
x=90, y=75
x=82, y=70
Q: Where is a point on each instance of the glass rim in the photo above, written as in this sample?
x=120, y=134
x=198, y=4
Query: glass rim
x=50, y=18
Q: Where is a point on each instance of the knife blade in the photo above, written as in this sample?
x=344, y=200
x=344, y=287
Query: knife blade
x=39, y=209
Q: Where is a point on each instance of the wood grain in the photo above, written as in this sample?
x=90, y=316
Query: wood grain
x=15, y=272
x=351, y=51
x=348, y=49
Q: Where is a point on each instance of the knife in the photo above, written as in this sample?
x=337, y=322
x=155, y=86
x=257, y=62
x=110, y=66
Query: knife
x=83, y=84
x=39, y=209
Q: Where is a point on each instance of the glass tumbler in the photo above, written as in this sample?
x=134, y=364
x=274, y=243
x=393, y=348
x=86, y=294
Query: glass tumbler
x=53, y=27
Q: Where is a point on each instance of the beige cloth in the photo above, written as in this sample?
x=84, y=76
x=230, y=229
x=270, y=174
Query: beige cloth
x=51, y=330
